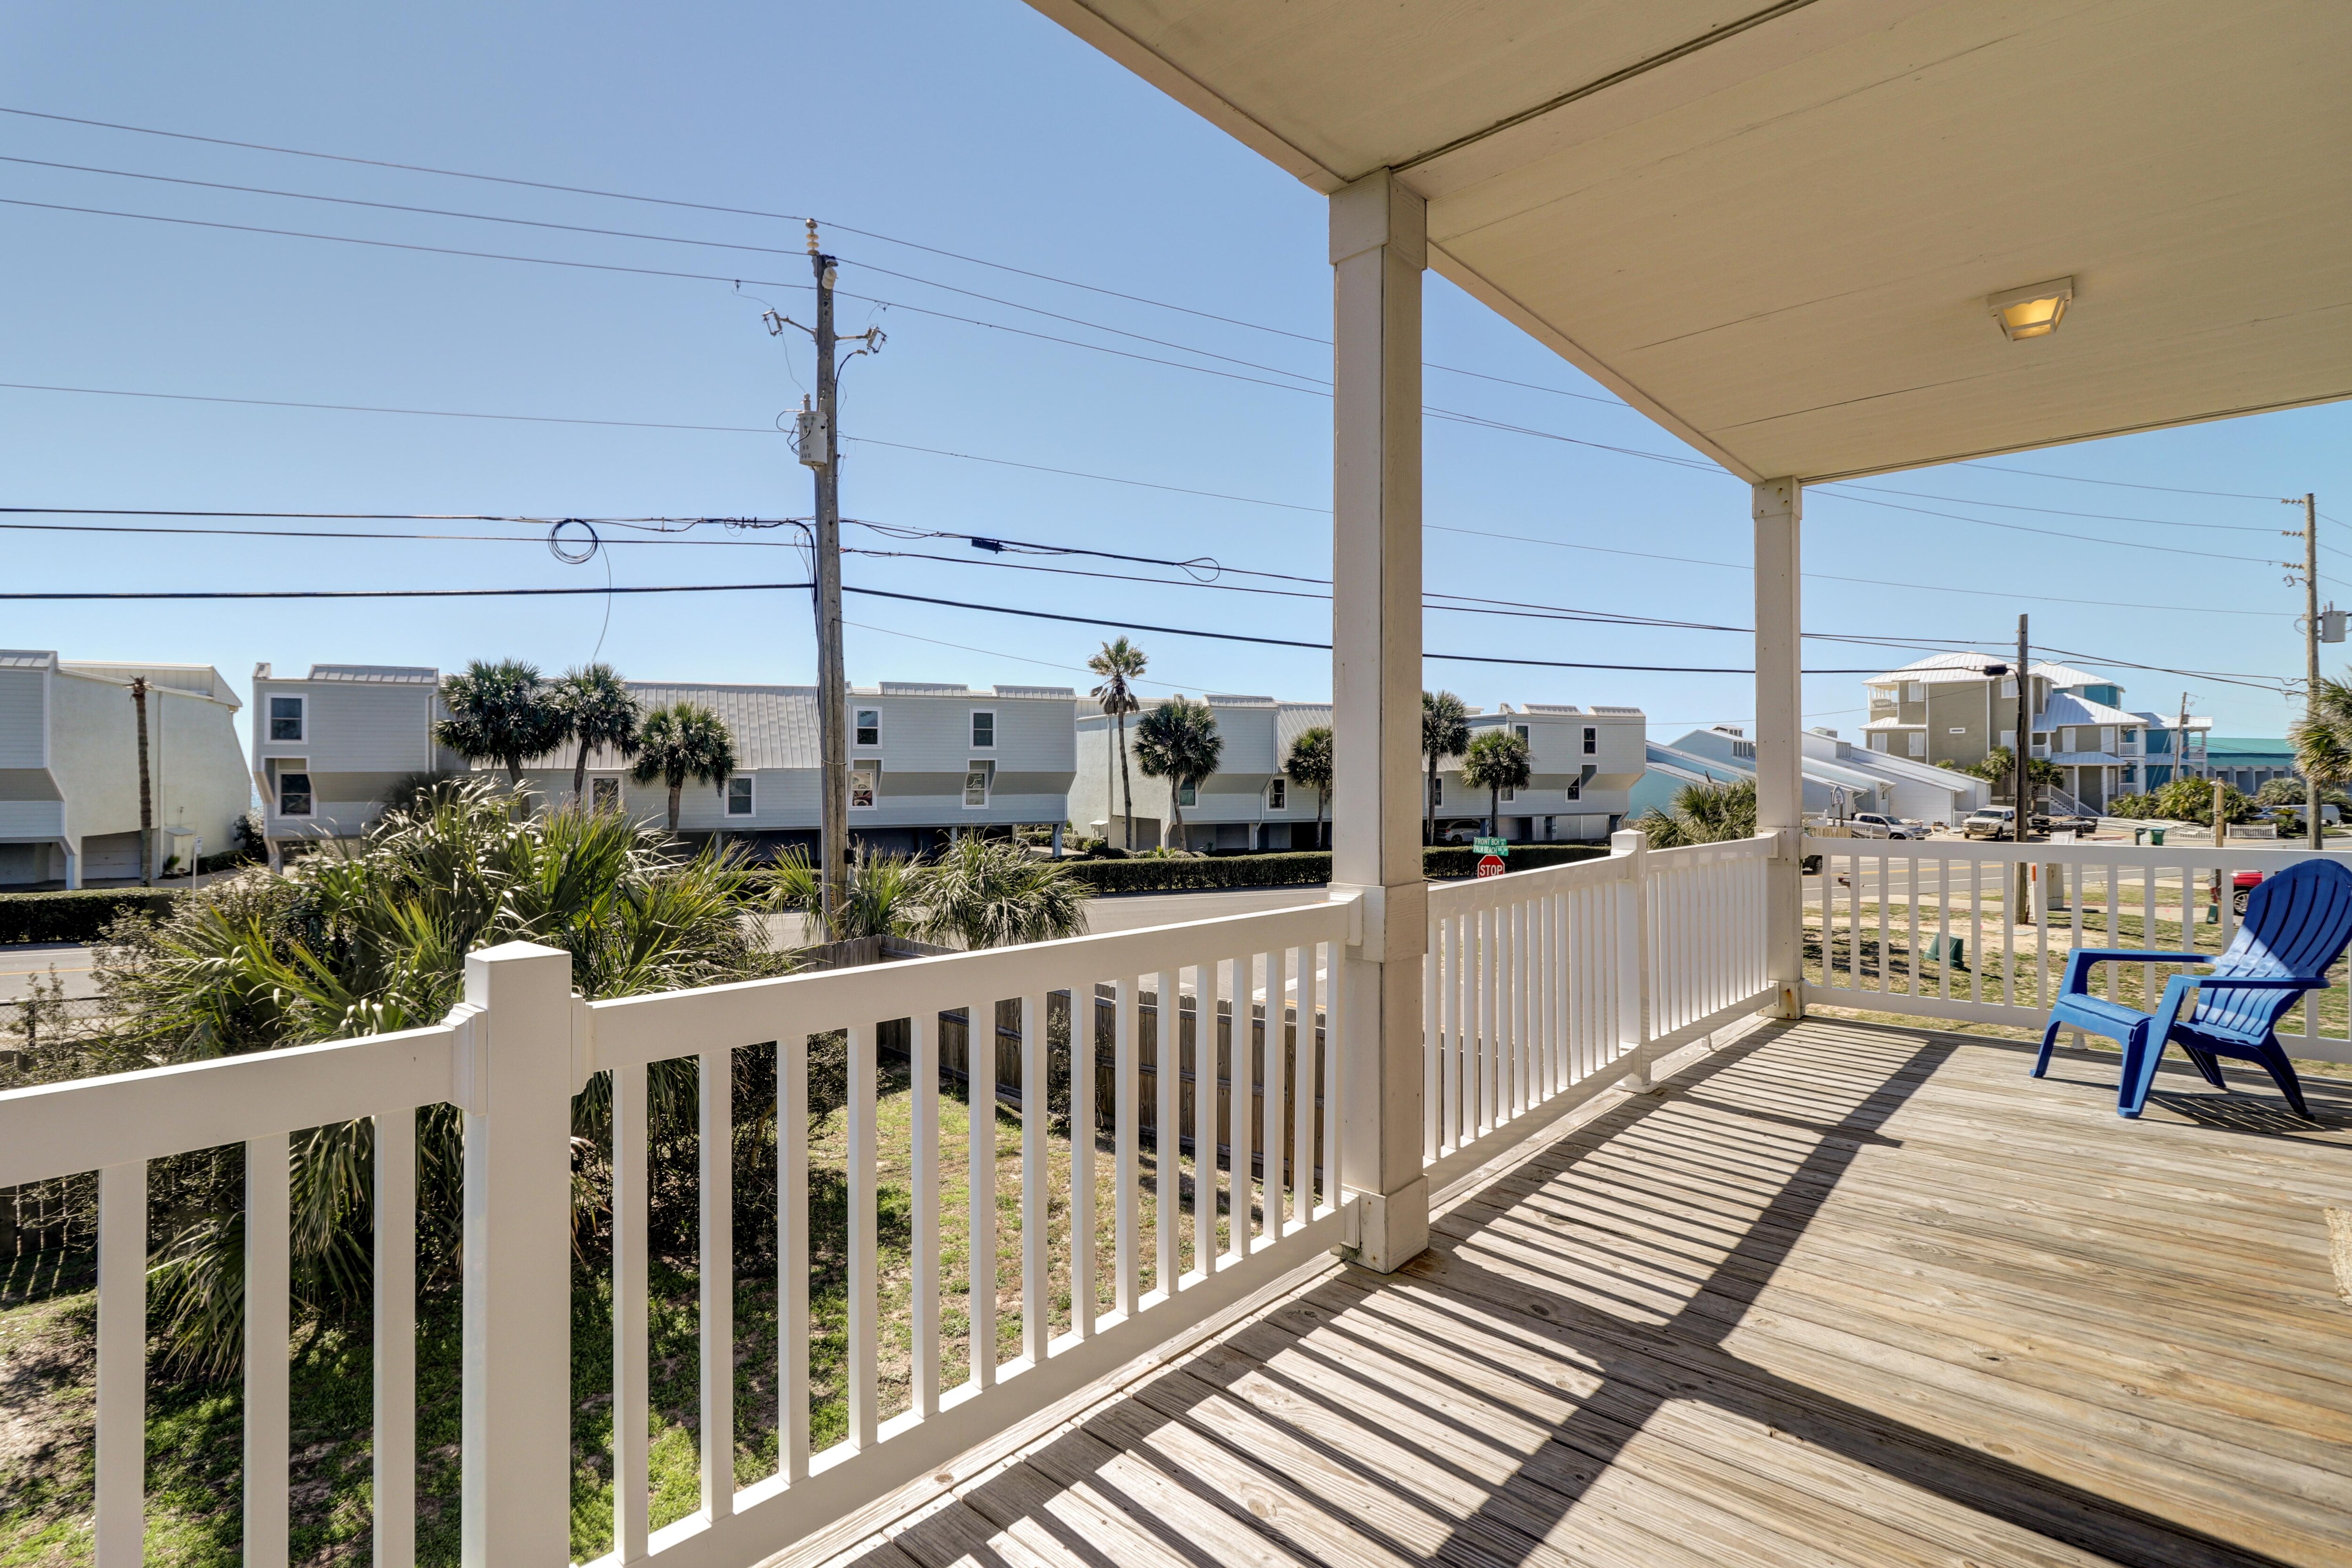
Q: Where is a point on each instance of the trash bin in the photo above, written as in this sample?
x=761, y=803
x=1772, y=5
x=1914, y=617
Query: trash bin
x=2138, y=834
x=2156, y=836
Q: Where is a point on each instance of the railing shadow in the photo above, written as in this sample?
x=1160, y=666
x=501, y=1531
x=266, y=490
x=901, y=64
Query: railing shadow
x=1372, y=1425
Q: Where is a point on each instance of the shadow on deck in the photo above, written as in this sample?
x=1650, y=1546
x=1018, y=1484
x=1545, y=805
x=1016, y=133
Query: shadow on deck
x=1838, y=1294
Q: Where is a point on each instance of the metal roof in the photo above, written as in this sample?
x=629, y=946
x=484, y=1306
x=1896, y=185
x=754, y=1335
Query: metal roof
x=377, y=674
x=27, y=659
x=773, y=726
x=1773, y=227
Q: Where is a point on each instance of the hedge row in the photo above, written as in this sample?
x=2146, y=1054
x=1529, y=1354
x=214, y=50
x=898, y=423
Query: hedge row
x=1296, y=868
x=76, y=917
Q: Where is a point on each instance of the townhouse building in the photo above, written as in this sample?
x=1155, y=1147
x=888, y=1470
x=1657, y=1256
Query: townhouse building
x=330, y=746
x=1586, y=761
x=927, y=761
x=1248, y=804
x=1945, y=710
x=69, y=768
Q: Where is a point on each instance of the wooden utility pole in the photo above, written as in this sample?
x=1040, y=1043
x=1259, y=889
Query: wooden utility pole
x=146, y=789
x=833, y=687
x=2022, y=908
x=2311, y=653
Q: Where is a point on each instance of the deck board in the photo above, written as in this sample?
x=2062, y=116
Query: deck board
x=1839, y=1294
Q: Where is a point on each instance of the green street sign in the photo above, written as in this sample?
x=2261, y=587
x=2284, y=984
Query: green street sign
x=1491, y=846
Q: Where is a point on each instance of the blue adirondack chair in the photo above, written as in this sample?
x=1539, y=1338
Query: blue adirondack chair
x=2296, y=926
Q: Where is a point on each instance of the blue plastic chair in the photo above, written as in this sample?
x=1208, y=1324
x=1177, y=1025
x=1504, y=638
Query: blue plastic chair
x=2297, y=924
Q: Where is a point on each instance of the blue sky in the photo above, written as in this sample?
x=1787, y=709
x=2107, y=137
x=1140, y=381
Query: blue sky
x=973, y=128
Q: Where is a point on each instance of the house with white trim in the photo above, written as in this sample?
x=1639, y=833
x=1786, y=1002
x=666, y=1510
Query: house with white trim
x=69, y=768
x=1249, y=803
x=927, y=761
x=1586, y=761
x=1945, y=709
x=328, y=746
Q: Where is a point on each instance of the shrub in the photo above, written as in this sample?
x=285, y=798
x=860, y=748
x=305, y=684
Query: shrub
x=80, y=916
x=1303, y=868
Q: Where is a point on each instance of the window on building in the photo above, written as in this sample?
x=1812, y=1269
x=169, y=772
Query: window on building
x=1918, y=738
x=2008, y=739
x=285, y=717
x=1576, y=789
x=983, y=728
x=738, y=796
x=1743, y=748
x=978, y=776
x=870, y=727
x=294, y=791
x=2131, y=775
x=1277, y=795
x=1437, y=789
x=1878, y=739
x=863, y=778
x=2131, y=736
x=605, y=795
x=1915, y=691
x=1526, y=737
x=2009, y=686
x=1592, y=741
x=1508, y=795
x=1188, y=795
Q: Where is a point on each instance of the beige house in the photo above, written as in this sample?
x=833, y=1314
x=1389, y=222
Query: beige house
x=69, y=768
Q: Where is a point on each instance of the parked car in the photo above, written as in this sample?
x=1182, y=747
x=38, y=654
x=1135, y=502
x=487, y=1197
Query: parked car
x=1992, y=822
x=2242, y=887
x=1872, y=824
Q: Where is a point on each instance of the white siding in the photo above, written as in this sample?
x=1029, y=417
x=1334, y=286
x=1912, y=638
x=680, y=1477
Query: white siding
x=23, y=722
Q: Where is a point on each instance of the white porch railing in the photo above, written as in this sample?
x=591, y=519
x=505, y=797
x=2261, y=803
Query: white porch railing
x=1545, y=987
x=513, y=1058
x=1925, y=927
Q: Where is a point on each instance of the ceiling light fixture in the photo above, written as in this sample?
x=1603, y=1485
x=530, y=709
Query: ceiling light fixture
x=2032, y=312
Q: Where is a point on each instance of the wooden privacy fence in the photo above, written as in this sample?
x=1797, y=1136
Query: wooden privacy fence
x=954, y=1037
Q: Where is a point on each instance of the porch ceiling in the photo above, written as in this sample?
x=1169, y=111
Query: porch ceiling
x=1773, y=227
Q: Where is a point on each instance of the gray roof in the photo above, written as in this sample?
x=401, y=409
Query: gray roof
x=773, y=726
x=1292, y=720
x=27, y=659
x=377, y=674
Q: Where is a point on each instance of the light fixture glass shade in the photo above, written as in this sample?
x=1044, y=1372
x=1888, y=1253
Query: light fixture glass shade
x=2031, y=313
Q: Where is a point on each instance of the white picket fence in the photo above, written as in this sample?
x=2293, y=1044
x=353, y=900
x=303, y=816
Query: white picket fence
x=1544, y=987
x=1889, y=914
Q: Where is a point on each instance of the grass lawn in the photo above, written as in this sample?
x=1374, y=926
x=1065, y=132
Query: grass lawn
x=48, y=1313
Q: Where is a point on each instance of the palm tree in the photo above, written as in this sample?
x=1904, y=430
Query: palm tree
x=599, y=711
x=1496, y=761
x=1703, y=814
x=1119, y=663
x=1444, y=733
x=1178, y=740
x=501, y=713
x=682, y=742
x=2322, y=738
x=1310, y=767
x=990, y=892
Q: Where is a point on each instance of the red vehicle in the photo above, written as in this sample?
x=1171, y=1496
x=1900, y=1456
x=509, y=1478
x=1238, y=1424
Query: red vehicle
x=2242, y=887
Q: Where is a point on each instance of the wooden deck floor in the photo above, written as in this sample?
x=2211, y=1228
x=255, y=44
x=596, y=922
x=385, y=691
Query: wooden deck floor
x=1838, y=1294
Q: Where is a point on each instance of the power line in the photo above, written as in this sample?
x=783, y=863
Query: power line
x=2053, y=533
x=2119, y=484
x=1081, y=474
x=2050, y=510
x=416, y=413
x=702, y=206
x=1313, y=391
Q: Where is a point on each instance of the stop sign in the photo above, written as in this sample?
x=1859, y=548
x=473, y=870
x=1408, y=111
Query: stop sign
x=1490, y=866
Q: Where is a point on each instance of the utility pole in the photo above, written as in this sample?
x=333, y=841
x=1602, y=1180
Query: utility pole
x=2311, y=653
x=2180, y=741
x=2023, y=910
x=819, y=437
x=146, y=790
x=833, y=687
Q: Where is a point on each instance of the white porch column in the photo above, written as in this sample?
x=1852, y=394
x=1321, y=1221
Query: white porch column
x=1779, y=754
x=1377, y=251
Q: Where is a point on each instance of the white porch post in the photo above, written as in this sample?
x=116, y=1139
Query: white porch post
x=1780, y=709
x=515, y=1079
x=1377, y=252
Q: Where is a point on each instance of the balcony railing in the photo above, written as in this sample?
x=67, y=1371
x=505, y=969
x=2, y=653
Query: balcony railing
x=1543, y=988
x=1931, y=928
